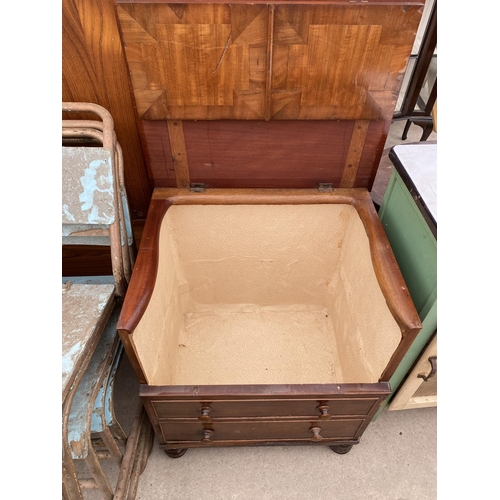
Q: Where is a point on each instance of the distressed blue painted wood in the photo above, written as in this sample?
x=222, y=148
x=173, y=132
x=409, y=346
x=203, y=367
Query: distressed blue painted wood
x=85, y=309
x=82, y=408
x=103, y=413
x=88, y=187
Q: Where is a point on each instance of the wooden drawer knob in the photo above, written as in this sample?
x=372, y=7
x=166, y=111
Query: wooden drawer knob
x=316, y=433
x=207, y=436
x=205, y=414
x=323, y=411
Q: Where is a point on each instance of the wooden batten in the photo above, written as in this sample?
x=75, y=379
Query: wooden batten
x=356, y=147
x=179, y=156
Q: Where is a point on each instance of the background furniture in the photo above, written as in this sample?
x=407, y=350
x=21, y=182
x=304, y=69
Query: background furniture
x=409, y=217
x=95, y=212
x=420, y=387
x=418, y=100
x=108, y=225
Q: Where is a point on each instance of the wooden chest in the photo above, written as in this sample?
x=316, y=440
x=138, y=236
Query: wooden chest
x=266, y=305
x=265, y=316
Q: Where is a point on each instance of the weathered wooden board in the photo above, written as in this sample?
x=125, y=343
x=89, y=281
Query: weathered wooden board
x=85, y=309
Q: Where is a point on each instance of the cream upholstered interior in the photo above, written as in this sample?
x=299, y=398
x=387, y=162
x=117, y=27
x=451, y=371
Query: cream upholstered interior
x=264, y=294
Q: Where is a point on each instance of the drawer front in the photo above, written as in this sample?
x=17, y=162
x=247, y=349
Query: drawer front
x=207, y=411
x=306, y=430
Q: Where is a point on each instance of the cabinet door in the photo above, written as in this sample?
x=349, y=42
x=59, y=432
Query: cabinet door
x=420, y=388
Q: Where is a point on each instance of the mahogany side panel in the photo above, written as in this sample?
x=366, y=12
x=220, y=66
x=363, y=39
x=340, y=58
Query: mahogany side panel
x=387, y=270
x=243, y=154
x=266, y=154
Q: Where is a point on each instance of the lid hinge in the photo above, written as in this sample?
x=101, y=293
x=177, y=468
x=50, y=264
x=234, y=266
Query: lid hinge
x=325, y=187
x=197, y=187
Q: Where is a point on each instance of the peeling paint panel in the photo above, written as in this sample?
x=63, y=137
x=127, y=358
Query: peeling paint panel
x=82, y=306
x=93, y=381
x=87, y=188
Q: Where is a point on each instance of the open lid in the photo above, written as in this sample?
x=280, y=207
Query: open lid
x=289, y=94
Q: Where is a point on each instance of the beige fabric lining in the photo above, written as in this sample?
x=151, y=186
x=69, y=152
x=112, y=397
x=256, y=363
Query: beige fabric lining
x=363, y=325
x=264, y=294
x=280, y=345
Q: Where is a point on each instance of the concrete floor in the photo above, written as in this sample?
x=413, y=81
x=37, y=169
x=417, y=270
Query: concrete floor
x=396, y=459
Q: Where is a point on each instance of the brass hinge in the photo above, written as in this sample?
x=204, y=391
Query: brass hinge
x=325, y=187
x=197, y=187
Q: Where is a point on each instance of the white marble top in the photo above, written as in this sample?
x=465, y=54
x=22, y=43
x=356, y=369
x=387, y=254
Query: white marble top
x=420, y=162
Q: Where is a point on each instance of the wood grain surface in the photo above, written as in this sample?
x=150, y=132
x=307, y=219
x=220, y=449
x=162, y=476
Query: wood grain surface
x=214, y=65
x=178, y=149
x=94, y=70
x=259, y=154
x=360, y=131
x=250, y=62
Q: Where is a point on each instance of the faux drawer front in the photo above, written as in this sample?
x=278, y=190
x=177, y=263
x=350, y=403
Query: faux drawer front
x=314, y=431
x=205, y=411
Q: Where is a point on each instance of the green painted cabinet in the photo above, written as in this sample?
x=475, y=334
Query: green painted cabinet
x=409, y=216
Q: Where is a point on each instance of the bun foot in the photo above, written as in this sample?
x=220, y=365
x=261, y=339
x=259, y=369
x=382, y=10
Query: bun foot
x=176, y=453
x=341, y=449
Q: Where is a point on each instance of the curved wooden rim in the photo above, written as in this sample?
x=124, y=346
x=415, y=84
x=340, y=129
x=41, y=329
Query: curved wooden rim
x=143, y=279
x=387, y=270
